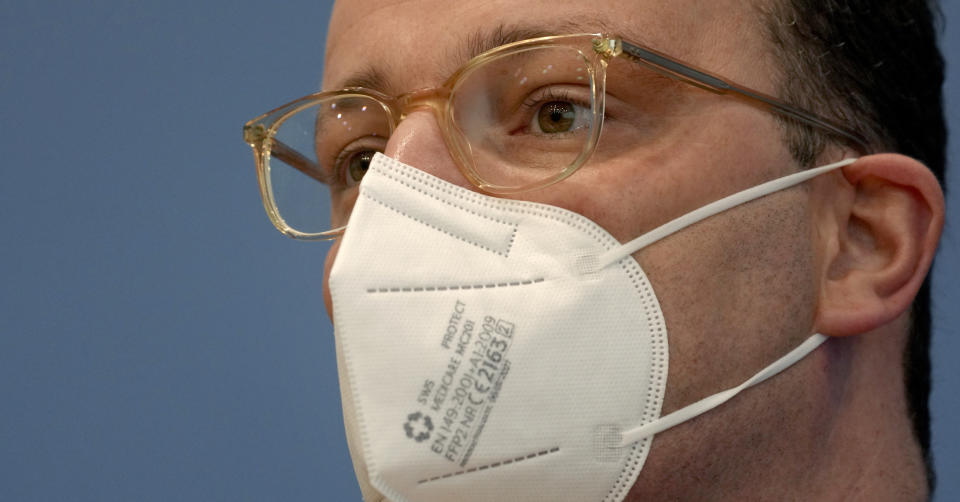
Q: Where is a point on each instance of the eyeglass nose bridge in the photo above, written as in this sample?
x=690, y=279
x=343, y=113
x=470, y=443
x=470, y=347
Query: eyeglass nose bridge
x=435, y=99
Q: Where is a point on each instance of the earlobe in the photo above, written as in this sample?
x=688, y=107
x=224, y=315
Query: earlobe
x=881, y=245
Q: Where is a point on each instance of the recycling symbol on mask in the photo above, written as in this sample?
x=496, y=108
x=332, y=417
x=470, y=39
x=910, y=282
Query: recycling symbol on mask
x=418, y=426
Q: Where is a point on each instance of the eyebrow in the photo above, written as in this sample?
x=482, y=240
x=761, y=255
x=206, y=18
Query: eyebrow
x=370, y=77
x=480, y=41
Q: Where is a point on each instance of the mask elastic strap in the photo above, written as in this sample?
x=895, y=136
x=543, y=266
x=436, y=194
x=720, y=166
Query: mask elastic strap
x=708, y=403
x=618, y=253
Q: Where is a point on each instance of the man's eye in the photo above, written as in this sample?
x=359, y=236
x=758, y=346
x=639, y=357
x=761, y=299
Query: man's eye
x=355, y=165
x=351, y=161
x=557, y=117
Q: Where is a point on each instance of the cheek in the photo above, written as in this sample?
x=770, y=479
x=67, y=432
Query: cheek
x=327, y=266
x=737, y=293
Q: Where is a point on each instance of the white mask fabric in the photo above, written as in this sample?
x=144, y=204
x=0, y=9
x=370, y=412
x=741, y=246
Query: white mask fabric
x=494, y=349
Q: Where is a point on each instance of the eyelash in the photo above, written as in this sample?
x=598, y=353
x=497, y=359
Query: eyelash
x=552, y=95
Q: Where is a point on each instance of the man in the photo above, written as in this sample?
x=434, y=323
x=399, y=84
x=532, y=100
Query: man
x=844, y=254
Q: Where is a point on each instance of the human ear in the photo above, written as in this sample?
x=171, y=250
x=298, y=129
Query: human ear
x=877, y=236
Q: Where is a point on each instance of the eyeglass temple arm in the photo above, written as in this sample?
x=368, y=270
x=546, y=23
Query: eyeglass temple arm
x=711, y=83
x=295, y=159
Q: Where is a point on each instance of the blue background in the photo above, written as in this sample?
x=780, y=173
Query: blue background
x=159, y=340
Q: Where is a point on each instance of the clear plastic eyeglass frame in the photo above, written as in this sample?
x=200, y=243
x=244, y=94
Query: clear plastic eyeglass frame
x=597, y=49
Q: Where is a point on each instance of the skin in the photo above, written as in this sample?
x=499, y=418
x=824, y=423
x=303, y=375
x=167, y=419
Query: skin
x=843, y=254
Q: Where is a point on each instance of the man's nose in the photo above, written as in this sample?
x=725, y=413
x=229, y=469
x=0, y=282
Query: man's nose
x=418, y=142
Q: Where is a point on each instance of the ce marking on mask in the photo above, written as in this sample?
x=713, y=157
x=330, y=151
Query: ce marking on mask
x=461, y=399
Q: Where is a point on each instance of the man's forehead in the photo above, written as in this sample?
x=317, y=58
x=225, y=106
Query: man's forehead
x=406, y=44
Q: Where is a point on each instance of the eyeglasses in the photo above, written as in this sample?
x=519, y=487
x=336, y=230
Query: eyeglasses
x=516, y=118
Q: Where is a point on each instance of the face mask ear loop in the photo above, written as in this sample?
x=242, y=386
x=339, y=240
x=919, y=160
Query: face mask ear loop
x=616, y=254
x=708, y=403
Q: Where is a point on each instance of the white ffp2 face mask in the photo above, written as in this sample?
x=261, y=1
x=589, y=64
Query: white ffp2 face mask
x=495, y=349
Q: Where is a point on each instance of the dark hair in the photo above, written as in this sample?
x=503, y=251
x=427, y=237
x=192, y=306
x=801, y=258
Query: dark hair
x=875, y=67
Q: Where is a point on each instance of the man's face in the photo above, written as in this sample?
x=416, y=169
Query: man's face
x=737, y=291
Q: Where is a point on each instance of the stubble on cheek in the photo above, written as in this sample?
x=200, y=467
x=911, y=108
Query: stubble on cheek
x=737, y=293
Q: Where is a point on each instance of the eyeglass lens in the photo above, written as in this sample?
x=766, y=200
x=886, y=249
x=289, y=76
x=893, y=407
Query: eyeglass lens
x=319, y=154
x=517, y=120
x=526, y=116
